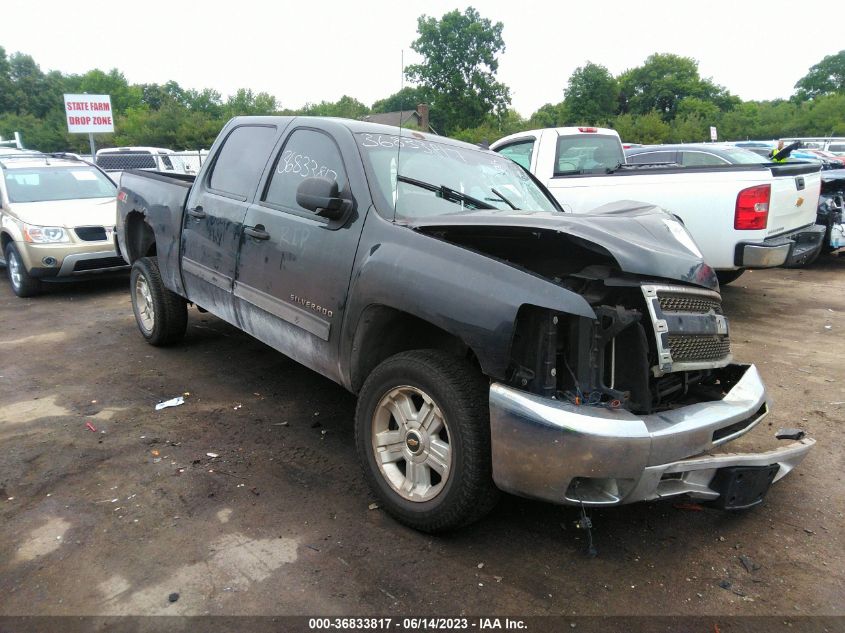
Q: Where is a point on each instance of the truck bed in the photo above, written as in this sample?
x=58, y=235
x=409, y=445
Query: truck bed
x=161, y=206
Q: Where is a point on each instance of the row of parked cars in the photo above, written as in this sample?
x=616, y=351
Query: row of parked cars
x=57, y=216
x=542, y=317
x=741, y=223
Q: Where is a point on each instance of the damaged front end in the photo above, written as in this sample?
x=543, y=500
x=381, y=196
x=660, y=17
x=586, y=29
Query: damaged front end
x=626, y=406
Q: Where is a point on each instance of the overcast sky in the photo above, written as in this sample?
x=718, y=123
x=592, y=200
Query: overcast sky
x=314, y=50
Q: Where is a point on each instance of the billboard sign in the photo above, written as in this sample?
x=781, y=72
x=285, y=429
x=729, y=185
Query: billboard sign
x=88, y=114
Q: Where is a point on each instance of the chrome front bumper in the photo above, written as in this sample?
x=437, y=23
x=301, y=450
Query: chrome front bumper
x=563, y=453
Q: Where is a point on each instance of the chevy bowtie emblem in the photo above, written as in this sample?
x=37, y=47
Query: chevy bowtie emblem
x=412, y=443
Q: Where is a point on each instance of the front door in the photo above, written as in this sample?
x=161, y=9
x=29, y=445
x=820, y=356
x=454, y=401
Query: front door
x=294, y=266
x=214, y=215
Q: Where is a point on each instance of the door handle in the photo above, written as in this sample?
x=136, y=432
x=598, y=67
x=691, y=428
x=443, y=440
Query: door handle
x=257, y=232
x=196, y=212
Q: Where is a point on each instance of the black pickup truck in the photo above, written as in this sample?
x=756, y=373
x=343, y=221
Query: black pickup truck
x=494, y=342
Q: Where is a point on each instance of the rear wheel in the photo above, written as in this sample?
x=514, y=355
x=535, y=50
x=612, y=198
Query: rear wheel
x=729, y=276
x=23, y=284
x=422, y=431
x=161, y=315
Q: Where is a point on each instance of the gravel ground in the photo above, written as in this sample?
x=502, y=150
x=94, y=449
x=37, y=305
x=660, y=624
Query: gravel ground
x=248, y=498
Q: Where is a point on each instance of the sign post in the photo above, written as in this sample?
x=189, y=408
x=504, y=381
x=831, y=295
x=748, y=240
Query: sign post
x=89, y=114
x=713, y=135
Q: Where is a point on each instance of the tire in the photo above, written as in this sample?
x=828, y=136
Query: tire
x=729, y=276
x=161, y=315
x=23, y=284
x=456, y=433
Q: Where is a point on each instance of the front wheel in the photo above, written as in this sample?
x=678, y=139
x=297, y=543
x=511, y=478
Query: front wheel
x=23, y=284
x=161, y=315
x=422, y=432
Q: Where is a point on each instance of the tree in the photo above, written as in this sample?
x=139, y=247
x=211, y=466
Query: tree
x=32, y=91
x=493, y=128
x=549, y=115
x=112, y=83
x=459, y=68
x=826, y=77
x=663, y=81
x=45, y=134
x=346, y=107
x=207, y=100
x=6, y=100
x=696, y=107
x=823, y=116
x=690, y=128
x=648, y=128
x=245, y=102
x=406, y=99
x=591, y=96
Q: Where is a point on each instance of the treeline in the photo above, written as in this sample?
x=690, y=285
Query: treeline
x=161, y=115
x=663, y=100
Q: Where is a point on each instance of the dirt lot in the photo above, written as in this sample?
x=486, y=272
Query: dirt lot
x=114, y=521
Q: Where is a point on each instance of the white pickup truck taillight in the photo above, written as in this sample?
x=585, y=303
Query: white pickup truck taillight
x=752, y=208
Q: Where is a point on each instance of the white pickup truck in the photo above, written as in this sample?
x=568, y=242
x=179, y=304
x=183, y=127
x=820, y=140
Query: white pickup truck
x=755, y=215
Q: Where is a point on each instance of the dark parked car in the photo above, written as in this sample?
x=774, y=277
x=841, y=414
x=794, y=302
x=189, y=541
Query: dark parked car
x=693, y=155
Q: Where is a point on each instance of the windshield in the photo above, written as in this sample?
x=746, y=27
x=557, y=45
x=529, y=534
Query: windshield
x=425, y=178
x=42, y=184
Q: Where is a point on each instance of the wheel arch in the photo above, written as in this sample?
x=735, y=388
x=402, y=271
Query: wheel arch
x=5, y=238
x=140, y=240
x=384, y=331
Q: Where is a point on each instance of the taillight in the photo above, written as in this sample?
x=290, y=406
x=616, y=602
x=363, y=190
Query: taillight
x=588, y=129
x=121, y=195
x=752, y=208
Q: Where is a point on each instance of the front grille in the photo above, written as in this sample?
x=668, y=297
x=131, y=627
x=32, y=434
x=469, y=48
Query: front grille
x=91, y=233
x=698, y=348
x=697, y=304
x=97, y=264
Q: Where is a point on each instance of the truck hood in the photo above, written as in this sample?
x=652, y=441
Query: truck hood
x=67, y=213
x=642, y=239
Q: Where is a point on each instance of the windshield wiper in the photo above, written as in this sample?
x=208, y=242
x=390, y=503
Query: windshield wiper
x=446, y=193
x=505, y=200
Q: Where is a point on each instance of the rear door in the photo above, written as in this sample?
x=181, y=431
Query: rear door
x=214, y=215
x=294, y=266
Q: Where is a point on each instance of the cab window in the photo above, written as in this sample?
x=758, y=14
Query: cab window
x=519, y=152
x=241, y=160
x=701, y=159
x=306, y=154
x=587, y=154
x=642, y=158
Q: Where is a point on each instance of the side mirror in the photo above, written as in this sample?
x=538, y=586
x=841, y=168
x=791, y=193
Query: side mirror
x=321, y=196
